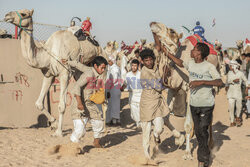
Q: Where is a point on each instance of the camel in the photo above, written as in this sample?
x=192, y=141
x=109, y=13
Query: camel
x=235, y=53
x=247, y=48
x=111, y=49
x=123, y=60
x=60, y=45
x=177, y=81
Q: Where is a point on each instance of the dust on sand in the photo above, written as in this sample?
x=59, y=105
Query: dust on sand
x=123, y=146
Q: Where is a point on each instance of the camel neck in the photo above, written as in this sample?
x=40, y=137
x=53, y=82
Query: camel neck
x=33, y=55
x=28, y=47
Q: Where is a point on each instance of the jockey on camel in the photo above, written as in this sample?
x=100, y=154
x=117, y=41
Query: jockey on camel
x=199, y=30
x=84, y=32
x=86, y=26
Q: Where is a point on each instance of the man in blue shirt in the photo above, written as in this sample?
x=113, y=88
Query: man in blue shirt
x=199, y=30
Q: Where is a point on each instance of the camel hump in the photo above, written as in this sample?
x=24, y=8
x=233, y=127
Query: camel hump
x=64, y=43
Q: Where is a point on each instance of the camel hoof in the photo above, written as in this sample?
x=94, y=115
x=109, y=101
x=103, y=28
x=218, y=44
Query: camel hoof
x=53, y=125
x=57, y=134
x=39, y=106
x=187, y=156
x=152, y=162
x=180, y=141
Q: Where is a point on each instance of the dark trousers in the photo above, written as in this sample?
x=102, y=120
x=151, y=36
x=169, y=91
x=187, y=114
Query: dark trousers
x=202, y=117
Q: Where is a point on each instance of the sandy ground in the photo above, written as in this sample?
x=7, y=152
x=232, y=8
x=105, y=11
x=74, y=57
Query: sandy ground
x=123, y=146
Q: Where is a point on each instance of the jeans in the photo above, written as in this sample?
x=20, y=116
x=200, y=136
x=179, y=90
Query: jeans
x=202, y=117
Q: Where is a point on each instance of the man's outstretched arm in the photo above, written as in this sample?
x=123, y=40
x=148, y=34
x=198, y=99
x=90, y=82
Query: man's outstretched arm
x=177, y=61
x=216, y=82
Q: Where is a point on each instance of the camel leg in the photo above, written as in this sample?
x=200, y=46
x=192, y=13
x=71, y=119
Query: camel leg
x=189, y=129
x=170, y=99
x=40, y=101
x=179, y=138
x=64, y=81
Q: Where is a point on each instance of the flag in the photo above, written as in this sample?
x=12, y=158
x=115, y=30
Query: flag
x=213, y=23
x=186, y=29
x=247, y=41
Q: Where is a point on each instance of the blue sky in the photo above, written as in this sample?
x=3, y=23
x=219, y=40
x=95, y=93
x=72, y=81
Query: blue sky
x=129, y=20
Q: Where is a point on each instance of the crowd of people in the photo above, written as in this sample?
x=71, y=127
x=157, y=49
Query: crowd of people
x=147, y=104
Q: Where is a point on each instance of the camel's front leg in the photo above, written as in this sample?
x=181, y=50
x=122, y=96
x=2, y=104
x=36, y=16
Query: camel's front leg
x=179, y=138
x=64, y=81
x=189, y=129
x=47, y=81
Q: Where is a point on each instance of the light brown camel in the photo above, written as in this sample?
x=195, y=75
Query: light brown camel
x=60, y=45
x=111, y=49
x=177, y=79
x=247, y=48
x=235, y=53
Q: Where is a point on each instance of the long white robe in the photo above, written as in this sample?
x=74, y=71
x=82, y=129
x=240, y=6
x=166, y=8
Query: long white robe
x=124, y=63
x=248, y=101
x=114, y=79
x=133, y=85
x=234, y=93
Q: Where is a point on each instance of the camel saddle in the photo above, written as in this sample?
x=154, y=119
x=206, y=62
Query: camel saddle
x=194, y=39
x=81, y=36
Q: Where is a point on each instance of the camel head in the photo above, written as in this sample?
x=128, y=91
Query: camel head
x=112, y=45
x=239, y=44
x=168, y=36
x=143, y=41
x=23, y=17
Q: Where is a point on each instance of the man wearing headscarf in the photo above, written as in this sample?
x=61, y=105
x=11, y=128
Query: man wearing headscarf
x=114, y=83
x=235, y=78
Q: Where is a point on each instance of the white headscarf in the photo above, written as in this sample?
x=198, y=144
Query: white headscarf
x=112, y=58
x=234, y=65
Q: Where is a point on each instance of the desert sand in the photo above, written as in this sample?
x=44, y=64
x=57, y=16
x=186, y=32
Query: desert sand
x=123, y=146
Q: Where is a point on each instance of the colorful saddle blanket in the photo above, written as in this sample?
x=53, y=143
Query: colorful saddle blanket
x=194, y=39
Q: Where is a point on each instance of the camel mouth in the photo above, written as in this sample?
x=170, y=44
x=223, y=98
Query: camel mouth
x=155, y=28
x=8, y=19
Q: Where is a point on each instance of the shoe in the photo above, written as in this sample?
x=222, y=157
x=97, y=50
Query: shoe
x=232, y=124
x=200, y=164
x=248, y=116
x=238, y=122
x=96, y=143
x=114, y=121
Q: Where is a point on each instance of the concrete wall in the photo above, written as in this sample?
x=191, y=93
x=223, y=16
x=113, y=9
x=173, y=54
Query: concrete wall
x=17, y=99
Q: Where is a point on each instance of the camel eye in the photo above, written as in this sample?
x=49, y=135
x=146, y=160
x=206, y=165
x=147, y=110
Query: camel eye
x=23, y=14
x=172, y=31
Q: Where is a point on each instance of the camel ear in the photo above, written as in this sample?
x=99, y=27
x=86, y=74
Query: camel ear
x=31, y=12
x=180, y=35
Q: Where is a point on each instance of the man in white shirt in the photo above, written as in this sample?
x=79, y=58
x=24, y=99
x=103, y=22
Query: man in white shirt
x=113, y=86
x=202, y=76
x=248, y=96
x=235, y=78
x=132, y=83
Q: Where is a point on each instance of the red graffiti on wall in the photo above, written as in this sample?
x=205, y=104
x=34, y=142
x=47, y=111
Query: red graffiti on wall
x=54, y=100
x=17, y=95
x=22, y=79
x=57, y=81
